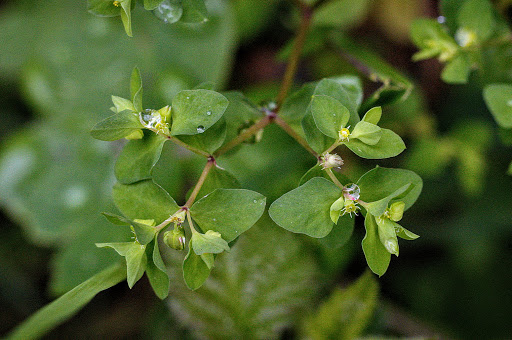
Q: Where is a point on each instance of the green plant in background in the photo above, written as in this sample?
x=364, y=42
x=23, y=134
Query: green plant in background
x=250, y=278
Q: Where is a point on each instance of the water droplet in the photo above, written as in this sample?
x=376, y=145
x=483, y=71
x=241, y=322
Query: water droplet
x=188, y=97
x=509, y=103
x=255, y=201
x=169, y=11
x=208, y=113
x=200, y=129
x=352, y=192
x=441, y=19
x=214, y=219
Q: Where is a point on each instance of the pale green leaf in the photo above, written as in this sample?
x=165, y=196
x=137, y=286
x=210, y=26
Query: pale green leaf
x=477, y=16
x=329, y=115
x=378, y=208
x=498, y=98
x=209, y=242
x=373, y=115
x=136, y=261
x=387, y=235
x=457, y=70
x=136, y=89
x=389, y=145
x=117, y=126
x=367, y=133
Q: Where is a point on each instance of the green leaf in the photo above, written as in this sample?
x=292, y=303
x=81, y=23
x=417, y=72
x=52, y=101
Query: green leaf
x=195, y=270
x=157, y=272
x=477, y=16
x=210, y=242
x=457, y=70
x=368, y=133
x=136, y=261
x=378, y=208
x=315, y=138
x=344, y=91
x=376, y=255
x=194, y=111
x=138, y=158
x=329, y=115
x=143, y=232
x=239, y=112
x=63, y=308
x=218, y=178
x=404, y=233
x=122, y=248
x=341, y=13
x=126, y=16
x=117, y=126
x=136, y=89
x=151, y=4
x=103, y=8
x=346, y=313
x=498, y=98
x=389, y=145
x=194, y=11
x=340, y=233
x=116, y=219
x=430, y=35
x=122, y=104
x=305, y=210
x=144, y=200
x=380, y=183
x=211, y=139
x=387, y=235
x=295, y=105
x=229, y=212
x=373, y=115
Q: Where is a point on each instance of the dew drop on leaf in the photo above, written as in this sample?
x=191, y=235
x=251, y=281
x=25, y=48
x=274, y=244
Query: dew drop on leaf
x=441, y=19
x=200, y=129
x=208, y=113
x=352, y=191
x=509, y=103
x=169, y=11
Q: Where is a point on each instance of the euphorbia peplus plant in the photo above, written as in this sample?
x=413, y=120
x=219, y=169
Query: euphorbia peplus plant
x=322, y=116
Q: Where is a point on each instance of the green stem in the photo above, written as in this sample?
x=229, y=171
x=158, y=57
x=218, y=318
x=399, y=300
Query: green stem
x=306, y=13
x=262, y=123
x=190, y=224
x=200, y=181
x=287, y=128
x=334, y=179
x=188, y=147
x=332, y=147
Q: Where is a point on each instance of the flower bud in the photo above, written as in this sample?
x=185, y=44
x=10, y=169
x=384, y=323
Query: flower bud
x=179, y=216
x=336, y=208
x=175, y=239
x=331, y=161
x=396, y=211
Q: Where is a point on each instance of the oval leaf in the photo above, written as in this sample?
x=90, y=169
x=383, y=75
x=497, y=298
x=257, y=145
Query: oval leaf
x=229, y=212
x=375, y=253
x=194, y=111
x=305, y=210
x=117, y=126
x=498, y=98
x=329, y=115
x=390, y=145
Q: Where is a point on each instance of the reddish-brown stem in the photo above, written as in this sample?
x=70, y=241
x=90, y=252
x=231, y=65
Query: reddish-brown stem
x=209, y=164
x=306, y=14
x=245, y=135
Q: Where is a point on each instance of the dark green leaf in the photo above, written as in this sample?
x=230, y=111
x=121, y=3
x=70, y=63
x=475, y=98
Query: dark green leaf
x=144, y=200
x=341, y=13
x=210, y=140
x=218, y=178
x=340, y=233
x=195, y=270
x=315, y=138
x=329, y=115
x=344, y=91
x=389, y=145
x=305, y=209
x=138, y=158
x=346, y=313
x=116, y=219
x=376, y=255
x=194, y=111
x=61, y=309
x=295, y=105
x=117, y=126
x=380, y=183
x=498, y=98
x=229, y=212
x=194, y=11
x=157, y=272
x=143, y=232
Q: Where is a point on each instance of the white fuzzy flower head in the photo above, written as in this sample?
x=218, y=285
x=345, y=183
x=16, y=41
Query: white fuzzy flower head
x=331, y=161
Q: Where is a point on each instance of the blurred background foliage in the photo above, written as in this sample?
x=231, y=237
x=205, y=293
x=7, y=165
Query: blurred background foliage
x=58, y=67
